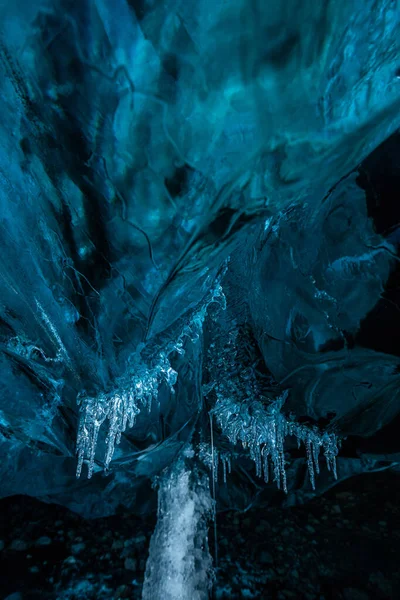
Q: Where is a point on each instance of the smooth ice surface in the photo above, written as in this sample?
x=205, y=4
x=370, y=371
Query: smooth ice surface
x=142, y=143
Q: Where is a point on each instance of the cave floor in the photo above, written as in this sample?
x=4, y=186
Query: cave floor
x=343, y=545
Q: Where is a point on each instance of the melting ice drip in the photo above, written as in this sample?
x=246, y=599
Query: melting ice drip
x=135, y=391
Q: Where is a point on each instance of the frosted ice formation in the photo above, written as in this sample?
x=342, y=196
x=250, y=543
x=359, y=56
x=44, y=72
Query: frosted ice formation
x=213, y=457
x=137, y=390
x=179, y=566
x=264, y=429
x=143, y=142
x=247, y=413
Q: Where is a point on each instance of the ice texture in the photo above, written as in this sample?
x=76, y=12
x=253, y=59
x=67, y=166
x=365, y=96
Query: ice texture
x=263, y=431
x=137, y=389
x=179, y=565
x=144, y=143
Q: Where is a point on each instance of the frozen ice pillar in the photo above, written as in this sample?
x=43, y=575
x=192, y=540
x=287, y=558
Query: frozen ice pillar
x=179, y=566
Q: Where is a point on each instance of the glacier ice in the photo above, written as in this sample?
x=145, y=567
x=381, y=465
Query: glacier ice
x=194, y=252
x=263, y=431
x=247, y=413
x=179, y=565
x=137, y=389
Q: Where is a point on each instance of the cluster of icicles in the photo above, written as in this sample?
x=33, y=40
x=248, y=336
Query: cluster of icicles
x=211, y=457
x=135, y=391
x=263, y=430
x=259, y=427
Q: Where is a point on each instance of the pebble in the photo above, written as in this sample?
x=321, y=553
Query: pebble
x=77, y=548
x=18, y=545
x=130, y=564
x=43, y=541
x=139, y=540
x=122, y=592
x=71, y=560
x=310, y=528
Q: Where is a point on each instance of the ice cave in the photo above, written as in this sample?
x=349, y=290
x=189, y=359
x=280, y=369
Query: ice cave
x=199, y=299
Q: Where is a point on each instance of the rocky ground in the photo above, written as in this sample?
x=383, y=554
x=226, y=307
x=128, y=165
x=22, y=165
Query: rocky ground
x=344, y=545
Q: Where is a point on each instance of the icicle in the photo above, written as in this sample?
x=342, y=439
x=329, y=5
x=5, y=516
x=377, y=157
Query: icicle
x=134, y=392
x=334, y=467
x=330, y=446
x=315, y=446
x=283, y=474
x=266, y=464
x=263, y=430
x=227, y=464
x=224, y=469
x=310, y=463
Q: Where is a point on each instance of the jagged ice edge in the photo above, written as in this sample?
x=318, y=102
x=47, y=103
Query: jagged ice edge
x=263, y=430
x=135, y=391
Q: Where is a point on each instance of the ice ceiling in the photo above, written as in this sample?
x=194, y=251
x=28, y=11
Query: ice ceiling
x=192, y=245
